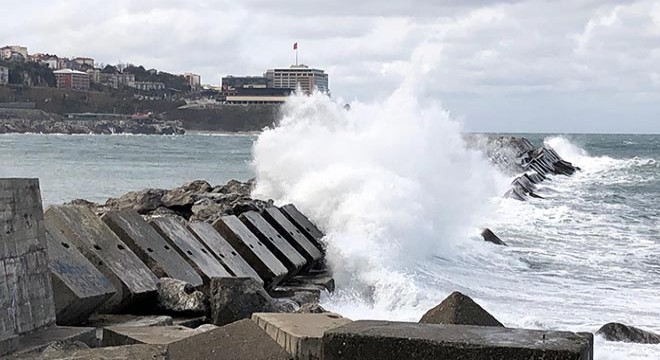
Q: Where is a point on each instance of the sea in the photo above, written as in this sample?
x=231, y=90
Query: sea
x=402, y=200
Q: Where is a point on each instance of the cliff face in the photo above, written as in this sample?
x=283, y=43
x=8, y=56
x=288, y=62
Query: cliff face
x=229, y=118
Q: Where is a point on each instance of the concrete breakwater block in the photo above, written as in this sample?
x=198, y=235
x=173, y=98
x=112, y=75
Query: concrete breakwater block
x=38, y=340
x=78, y=287
x=275, y=242
x=152, y=335
x=269, y=268
x=458, y=309
x=26, y=297
x=150, y=247
x=292, y=234
x=299, y=334
x=132, y=279
x=223, y=250
x=151, y=352
x=241, y=340
x=402, y=341
x=304, y=225
x=190, y=248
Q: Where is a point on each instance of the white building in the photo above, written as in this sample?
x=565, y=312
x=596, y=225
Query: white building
x=149, y=85
x=298, y=75
x=4, y=75
x=8, y=52
x=194, y=80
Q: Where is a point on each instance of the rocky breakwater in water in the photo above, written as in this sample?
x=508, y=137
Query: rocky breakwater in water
x=36, y=121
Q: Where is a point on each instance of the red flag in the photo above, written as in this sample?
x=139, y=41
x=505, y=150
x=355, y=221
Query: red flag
x=295, y=46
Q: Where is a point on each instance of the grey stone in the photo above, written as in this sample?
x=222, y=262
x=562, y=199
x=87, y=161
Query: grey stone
x=321, y=279
x=459, y=309
x=233, y=299
x=151, y=352
x=311, y=308
x=78, y=288
x=26, y=297
x=190, y=248
x=625, y=333
x=279, y=246
x=134, y=282
x=223, y=250
x=141, y=201
x=241, y=340
x=269, y=268
x=299, y=334
x=304, y=224
x=38, y=340
x=149, y=246
x=291, y=233
x=372, y=340
x=490, y=237
x=176, y=296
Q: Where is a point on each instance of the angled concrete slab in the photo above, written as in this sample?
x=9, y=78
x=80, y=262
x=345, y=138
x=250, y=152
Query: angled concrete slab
x=275, y=242
x=299, y=334
x=149, y=246
x=190, y=248
x=223, y=250
x=78, y=287
x=304, y=224
x=133, y=280
x=269, y=268
x=402, y=341
x=240, y=340
x=292, y=234
x=38, y=340
x=26, y=297
x=152, y=335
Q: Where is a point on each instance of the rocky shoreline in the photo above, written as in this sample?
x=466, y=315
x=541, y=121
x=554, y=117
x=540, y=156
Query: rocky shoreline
x=22, y=121
x=203, y=271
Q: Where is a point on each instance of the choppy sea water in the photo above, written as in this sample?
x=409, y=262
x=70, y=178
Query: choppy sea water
x=586, y=255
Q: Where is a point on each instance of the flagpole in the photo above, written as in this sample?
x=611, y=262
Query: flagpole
x=296, y=56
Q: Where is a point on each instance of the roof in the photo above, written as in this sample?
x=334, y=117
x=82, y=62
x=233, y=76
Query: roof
x=69, y=71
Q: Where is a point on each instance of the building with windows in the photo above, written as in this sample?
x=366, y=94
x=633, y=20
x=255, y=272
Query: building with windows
x=231, y=83
x=194, y=80
x=4, y=75
x=302, y=76
x=149, y=85
x=14, y=52
x=252, y=96
x=72, y=79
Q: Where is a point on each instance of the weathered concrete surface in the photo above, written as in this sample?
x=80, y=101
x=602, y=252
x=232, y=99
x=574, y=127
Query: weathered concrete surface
x=223, y=250
x=153, y=335
x=299, y=334
x=179, y=297
x=292, y=234
x=304, y=225
x=233, y=299
x=41, y=338
x=269, y=268
x=149, y=246
x=489, y=236
x=26, y=297
x=78, y=288
x=132, y=279
x=151, y=352
x=621, y=332
x=322, y=280
x=371, y=340
x=190, y=248
x=458, y=309
x=280, y=247
x=241, y=340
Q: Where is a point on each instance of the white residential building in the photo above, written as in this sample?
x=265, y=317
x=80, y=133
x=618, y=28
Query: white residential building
x=298, y=75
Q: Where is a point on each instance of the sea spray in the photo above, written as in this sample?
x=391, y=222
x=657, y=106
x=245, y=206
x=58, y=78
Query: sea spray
x=391, y=183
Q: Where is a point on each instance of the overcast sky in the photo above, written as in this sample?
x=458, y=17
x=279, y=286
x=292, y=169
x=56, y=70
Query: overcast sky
x=516, y=66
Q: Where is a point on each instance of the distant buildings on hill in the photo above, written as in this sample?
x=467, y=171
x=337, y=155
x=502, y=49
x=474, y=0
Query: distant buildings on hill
x=4, y=75
x=72, y=79
x=274, y=86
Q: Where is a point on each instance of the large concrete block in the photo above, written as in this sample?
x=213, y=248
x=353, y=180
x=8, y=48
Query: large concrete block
x=292, y=234
x=132, y=279
x=190, y=248
x=223, y=250
x=26, y=298
x=281, y=248
x=269, y=268
x=151, y=352
x=299, y=334
x=402, y=341
x=38, y=340
x=304, y=225
x=78, y=288
x=153, y=335
x=150, y=247
x=241, y=340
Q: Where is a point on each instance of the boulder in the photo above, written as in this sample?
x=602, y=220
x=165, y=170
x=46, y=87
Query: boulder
x=311, y=308
x=458, y=309
x=625, y=333
x=176, y=296
x=490, y=236
x=233, y=299
x=143, y=201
